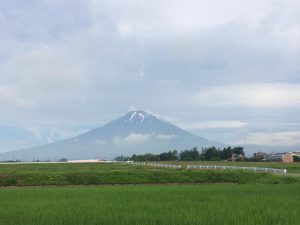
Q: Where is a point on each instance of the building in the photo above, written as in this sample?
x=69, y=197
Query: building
x=236, y=157
x=296, y=153
x=281, y=157
x=260, y=156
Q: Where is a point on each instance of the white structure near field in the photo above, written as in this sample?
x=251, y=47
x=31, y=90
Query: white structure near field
x=276, y=157
x=281, y=157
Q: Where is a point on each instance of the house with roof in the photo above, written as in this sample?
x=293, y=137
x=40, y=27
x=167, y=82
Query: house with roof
x=281, y=157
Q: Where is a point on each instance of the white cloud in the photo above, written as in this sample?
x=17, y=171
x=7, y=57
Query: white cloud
x=253, y=95
x=44, y=69
x=142, y=72
x=136, y=138
x=10, y=96
x=133, y=108
x=140, y=18
x=170, y=119
x=165, y=137
x=216, y=124
x=57, y=134
x=72, y=64
x=52, y=136
x=287, y=138
x=132, y=139
x=293, y=124
x=35, y=131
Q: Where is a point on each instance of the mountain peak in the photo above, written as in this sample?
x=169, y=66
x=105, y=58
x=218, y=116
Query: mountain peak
x=138, y=116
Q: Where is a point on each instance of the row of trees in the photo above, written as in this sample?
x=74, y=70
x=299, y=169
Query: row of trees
x=205, y=154
x=296, y=158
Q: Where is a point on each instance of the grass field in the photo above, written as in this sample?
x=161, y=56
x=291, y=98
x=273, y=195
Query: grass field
x=116, y=173
x=222, y=204
x=253, y=199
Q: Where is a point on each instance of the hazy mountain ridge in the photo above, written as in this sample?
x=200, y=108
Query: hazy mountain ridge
x=137, y=132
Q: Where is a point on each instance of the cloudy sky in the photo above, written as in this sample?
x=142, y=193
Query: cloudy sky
x=225, y=70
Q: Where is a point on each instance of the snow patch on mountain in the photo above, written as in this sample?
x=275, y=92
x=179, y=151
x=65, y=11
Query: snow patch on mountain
x=137, y=117
x=132, y=116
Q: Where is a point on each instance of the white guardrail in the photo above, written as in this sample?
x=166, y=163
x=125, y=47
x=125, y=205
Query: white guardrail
x=255, y=169
x=209, y=167
x=164, y=165
x=156, y=165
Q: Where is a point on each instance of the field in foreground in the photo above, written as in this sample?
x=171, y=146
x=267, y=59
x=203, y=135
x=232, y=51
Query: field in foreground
x=227, y=204
x=117, y=173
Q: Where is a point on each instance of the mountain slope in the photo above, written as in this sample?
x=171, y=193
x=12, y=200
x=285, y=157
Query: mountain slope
x=137, y=132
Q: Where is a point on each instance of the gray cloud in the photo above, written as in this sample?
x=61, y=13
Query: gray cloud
x=78, y=64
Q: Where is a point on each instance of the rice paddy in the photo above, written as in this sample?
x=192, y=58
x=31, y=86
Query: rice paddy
x=222, y=204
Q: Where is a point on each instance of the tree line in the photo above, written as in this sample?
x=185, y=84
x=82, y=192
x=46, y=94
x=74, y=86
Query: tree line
x=204, y=154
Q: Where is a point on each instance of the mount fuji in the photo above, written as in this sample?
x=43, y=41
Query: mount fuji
x=137, y=132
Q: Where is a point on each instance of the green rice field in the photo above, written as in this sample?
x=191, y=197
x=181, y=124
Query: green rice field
x=116, y=173
x=123, y=194
x=206, y=204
